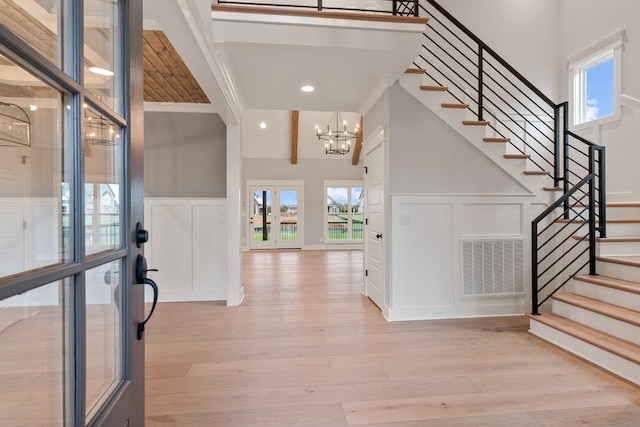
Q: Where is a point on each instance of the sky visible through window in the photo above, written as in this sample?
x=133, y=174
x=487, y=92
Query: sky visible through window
x=599, y=88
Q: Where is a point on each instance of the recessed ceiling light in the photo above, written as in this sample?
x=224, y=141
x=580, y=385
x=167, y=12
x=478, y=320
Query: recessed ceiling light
x=33, y=107
x=263, y=125
x=307, y=88
x=101, y=71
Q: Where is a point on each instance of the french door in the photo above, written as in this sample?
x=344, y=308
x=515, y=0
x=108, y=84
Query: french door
x=71, y=194
x=276, y=216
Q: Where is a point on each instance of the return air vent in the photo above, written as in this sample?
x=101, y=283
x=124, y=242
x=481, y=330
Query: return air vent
x=493, y=267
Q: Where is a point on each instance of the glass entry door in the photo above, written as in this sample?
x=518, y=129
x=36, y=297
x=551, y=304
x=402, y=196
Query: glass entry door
x=276, y=217
x=70, y=172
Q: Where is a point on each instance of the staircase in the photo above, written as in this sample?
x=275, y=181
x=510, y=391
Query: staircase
x=598, y=316
x=585, y=252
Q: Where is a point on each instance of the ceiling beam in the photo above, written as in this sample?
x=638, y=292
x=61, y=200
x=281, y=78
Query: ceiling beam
x=294, y=136
x=356, y=150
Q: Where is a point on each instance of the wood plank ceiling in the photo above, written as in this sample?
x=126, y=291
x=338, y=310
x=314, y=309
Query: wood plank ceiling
x=166, y=77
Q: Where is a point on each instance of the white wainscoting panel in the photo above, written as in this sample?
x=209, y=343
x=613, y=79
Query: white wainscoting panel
x=187, y=244
x=426, y=268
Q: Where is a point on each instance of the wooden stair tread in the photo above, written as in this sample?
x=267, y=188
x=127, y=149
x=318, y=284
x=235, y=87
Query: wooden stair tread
x=434, y=88
x=475, y=122
x=552, y=189
x=622, y=348
x=609, y=221
x=614, y=239
x=516, y=156
x=454, y=105
x=632, y=261
x=536, y=173
x=496, y=139
x=415, y=71
x=610, y=282
x=623, y=204
x=615, y=312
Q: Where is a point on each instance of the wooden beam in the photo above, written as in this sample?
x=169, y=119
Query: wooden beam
x=294, y=137
x=356, y=150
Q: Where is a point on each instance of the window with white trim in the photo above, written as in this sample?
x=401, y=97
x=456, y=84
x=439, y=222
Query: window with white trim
x=595, y=81
x=343, y=211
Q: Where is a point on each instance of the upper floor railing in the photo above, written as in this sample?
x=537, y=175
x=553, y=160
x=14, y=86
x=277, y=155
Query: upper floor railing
x=383, y=7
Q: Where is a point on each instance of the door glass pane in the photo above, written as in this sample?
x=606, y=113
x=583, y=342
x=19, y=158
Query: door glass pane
x=32, y=159
x=103, y=332
x=34, y=346
x=357, y=212
x=102, y=72
x=288, y=215
x=261, y=215
x=337, y=213
x=103, y=159
x=37, y=23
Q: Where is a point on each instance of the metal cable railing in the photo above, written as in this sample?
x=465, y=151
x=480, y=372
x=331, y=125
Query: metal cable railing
x=563, y=236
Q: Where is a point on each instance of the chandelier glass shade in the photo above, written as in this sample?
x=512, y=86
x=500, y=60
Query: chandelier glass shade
x=335, y=137
x=99, y=130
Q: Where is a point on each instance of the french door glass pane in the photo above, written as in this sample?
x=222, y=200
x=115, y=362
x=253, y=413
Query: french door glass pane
x=102, y=71
x=32, y=159
x=261, y=215
x=357, y=212
x=337, y=213
x=37, y=23
x=288, y=215
x=103, y=333
x=103, y=160
x=34, y=347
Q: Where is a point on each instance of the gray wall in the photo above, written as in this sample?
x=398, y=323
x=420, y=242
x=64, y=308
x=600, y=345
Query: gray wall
x=313, y=172
x=427, y=156
x=184, y=155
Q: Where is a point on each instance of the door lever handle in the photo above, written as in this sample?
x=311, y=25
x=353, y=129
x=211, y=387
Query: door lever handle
x=142, y=279
x=379, y=236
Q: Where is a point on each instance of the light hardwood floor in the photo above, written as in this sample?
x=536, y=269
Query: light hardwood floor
x=306, y=348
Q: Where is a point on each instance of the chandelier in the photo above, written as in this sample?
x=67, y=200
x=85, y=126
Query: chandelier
x=335, y=136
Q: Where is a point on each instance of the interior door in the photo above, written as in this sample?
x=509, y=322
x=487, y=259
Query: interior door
x=69, y=309
x=374, y=228
x=276, y=215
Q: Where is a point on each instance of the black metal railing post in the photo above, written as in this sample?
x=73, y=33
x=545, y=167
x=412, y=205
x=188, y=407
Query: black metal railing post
x=416, y=7
x=592, y=212
x=566, y=157
x=480, y=81
x=320, y=5
x=602, y=195
x=556, y=145
x=534, y=269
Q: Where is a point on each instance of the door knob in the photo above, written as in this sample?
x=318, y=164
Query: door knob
x=378, y=236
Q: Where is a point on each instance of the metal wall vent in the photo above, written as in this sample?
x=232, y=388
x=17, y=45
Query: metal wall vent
x=493, y=267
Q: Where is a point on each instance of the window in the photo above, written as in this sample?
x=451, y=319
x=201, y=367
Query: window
x=595, y=81
x=344, y=212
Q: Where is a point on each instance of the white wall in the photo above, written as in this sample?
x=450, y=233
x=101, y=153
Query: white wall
x=525, y=33
x=586, y=22
x=443, y=191
x=187, y=244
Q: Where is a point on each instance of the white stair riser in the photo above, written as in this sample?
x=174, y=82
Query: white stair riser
x=623, y=229
x=617, y=328
x=605, y=248
x=609, y=295
x=623, y=213
x=611, y=362
x=619, y=271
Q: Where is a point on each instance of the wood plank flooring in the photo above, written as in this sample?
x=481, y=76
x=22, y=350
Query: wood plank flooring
x=306, y=348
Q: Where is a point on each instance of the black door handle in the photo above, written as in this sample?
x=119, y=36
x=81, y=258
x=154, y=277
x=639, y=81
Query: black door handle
x=378, y=236
x=142, y=279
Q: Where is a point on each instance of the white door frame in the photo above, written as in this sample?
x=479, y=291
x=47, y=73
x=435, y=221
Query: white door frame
x=376, y=140
x=275, y=186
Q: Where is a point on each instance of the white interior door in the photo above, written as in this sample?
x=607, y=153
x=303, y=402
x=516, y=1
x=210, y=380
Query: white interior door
x=374, y=228
x=276, y=216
